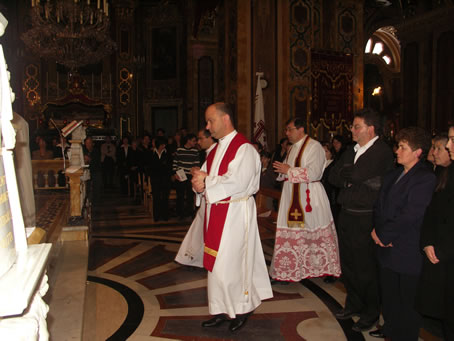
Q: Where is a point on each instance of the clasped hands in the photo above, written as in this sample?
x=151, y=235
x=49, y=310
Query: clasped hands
x=378, y=241
x=198, y=179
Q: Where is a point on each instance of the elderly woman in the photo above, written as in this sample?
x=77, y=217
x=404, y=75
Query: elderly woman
x=435, y=293
x=399, y=212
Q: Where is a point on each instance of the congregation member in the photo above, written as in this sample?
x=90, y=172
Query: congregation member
x=191, y=249
x=133, y=164
x=123, y=154
x=92, y=158
x=435, y=297
x=306, y=243
x=440, y=156
x=237, y=275
x=359, y=173
x=205, y=142
x=42, y=153
x=185, y=158
x=161, y=170
x=281, y=150
x=398, y=216
x=108, y=161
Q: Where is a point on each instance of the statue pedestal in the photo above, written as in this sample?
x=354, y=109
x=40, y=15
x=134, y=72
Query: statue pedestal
x=23, y=286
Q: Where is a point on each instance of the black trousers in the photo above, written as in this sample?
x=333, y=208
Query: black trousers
x=359, y=265
x=160, y=192
x=185, y=198
x=402, y=321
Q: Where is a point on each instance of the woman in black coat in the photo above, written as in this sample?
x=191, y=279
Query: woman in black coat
x=399, y=212
x=435, y=296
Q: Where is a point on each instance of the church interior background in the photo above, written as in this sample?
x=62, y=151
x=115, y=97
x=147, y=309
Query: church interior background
x=169, y=59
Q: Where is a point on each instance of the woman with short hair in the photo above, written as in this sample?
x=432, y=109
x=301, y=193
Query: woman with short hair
x=399, y=212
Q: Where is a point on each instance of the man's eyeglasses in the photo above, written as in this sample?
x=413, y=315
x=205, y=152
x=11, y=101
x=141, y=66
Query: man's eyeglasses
x=290, y=128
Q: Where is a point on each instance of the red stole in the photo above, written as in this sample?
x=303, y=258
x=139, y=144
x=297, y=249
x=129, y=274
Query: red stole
x=295, y=214
x=218, y=212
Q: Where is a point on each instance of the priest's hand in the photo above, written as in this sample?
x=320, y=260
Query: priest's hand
x=280, y=167
x=198, y=180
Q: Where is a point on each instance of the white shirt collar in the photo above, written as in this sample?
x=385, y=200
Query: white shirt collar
x=361, y=150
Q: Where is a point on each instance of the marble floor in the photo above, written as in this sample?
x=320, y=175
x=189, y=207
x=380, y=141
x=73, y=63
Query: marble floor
x=135, y=290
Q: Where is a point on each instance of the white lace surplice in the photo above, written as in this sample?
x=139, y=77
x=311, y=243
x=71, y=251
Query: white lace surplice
x=311, y=251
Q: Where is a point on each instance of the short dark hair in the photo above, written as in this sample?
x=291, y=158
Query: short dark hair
x=371, y=118
x=205, y=132
x=299, y=122
x=226, y=109
x=441, y=137
x=188, y=137
x=416, y=138
x=160, y=140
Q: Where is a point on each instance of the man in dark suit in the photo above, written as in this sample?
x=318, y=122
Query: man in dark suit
x=358, y=174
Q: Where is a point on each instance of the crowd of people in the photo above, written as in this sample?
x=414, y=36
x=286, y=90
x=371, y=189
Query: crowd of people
x=381, y=220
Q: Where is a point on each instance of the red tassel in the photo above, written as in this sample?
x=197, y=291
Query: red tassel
x=308, y=200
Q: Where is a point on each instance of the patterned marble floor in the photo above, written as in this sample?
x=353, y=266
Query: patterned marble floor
x=136, y=291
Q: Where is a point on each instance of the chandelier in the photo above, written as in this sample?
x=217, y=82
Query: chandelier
x=73, y=33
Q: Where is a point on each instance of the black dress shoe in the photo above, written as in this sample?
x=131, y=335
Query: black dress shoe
x=329, y=279
x=238, y=322
x=377, y=333
x=346, y=314
x=362, y=325
x=216, y=321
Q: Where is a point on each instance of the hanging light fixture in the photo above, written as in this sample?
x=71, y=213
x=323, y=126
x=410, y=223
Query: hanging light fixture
x=73, y=33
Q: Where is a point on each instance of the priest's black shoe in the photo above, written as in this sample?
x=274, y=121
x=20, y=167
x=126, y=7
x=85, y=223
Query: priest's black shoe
x=238, y=322
x=345, y=314
x=216, y=321
x=377, y=333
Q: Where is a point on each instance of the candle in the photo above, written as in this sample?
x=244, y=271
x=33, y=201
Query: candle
x=99, y=3
x=107, y=9
x=88, y=2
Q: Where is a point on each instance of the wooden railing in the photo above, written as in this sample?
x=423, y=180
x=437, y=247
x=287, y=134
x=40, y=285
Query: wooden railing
x=46, y=174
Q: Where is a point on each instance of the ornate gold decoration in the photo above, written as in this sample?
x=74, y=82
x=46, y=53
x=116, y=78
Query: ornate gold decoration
x=73, y=33
x=124, y=86
x=31, y=84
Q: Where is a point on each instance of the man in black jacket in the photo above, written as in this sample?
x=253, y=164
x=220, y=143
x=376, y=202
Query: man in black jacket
x=359, y=173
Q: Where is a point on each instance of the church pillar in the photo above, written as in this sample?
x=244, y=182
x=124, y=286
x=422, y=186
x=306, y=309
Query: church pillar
x=244, y=81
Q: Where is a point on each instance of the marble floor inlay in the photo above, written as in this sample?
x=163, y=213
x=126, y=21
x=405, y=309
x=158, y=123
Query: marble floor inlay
x=158, y=299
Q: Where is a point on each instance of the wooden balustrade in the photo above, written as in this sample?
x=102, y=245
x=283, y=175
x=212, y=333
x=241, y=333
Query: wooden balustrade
x=48, y=174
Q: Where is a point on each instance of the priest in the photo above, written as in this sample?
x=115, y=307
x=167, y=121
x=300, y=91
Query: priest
x=237, y=275
x=306, y=241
